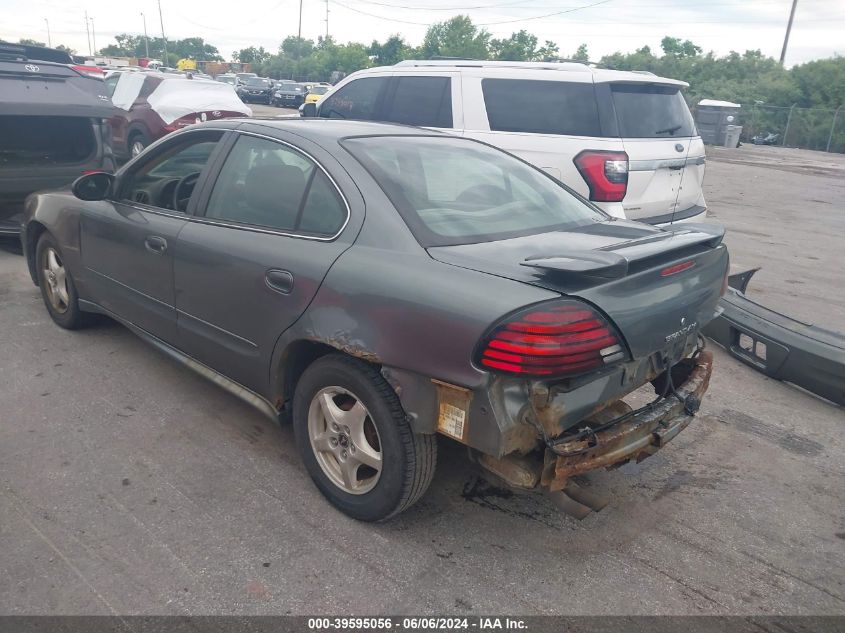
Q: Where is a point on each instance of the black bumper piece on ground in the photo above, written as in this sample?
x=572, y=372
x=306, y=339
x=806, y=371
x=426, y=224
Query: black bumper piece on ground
x=781, y=347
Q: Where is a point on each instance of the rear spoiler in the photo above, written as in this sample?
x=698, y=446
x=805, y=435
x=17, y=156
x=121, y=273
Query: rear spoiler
x=617, y=260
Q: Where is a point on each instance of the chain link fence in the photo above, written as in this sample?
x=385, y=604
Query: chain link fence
x=805, y=128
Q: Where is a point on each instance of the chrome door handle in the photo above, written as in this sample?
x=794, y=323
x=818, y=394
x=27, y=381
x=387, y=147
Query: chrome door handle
x=155, y=244
x=279, y=280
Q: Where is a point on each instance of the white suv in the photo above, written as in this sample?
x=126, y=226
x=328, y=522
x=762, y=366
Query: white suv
x=625, y=140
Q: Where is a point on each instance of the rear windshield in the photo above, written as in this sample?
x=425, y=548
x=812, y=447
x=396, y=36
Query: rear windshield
x=45, y=140
x=457, y=191
x=541, y=107
x=651, y=111
x=319, y=90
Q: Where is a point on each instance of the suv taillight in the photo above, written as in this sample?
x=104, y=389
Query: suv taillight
x=606, y=174
x=91, y=71
x=559, y=338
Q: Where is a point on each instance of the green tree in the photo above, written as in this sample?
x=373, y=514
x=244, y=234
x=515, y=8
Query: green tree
x=394, y=50
x=29, y=42
x=252, y=55
x=581, y=54
x=520, y=46
x=456, y=37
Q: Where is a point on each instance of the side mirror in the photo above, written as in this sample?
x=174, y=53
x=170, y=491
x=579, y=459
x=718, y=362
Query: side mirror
x=93, y=186
x=308, y=110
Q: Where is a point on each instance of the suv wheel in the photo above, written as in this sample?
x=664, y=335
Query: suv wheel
x=356, y=442
x=138, y=142
x=56, y=285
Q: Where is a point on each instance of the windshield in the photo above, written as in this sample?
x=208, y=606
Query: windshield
x=319, y=90
x=226, y=80
x=457, y=191
x=255, y=82
x=651, y=111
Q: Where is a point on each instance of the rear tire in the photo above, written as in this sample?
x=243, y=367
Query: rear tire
x=56, y=285
x=371, y=466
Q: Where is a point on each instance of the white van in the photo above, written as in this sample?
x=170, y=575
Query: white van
x=625, y=140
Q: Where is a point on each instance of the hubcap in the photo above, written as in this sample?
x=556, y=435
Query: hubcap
x=55, y=281
x=137, y=148
x=344, y=440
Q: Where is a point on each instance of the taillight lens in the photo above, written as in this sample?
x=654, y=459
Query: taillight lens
x=561, y=338
x=606, y=174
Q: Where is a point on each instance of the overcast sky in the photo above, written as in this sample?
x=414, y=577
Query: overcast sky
x=608, y=26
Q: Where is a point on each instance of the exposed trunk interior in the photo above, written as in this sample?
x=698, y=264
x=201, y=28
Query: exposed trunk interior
x=40, y=140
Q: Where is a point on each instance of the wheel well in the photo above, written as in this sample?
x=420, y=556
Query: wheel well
x=34, y=230
x=298, y=356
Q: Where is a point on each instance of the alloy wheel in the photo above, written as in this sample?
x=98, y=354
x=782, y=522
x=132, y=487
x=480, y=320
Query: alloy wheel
x=55, y=280
x=345, y=440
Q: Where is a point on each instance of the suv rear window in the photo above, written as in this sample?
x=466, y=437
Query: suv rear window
x=45, y=140
x=651, y=111
x=541, y=107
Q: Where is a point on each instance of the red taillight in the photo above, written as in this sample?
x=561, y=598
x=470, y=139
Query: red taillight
x=554, y=339
x=91, y=71
x=606, y=174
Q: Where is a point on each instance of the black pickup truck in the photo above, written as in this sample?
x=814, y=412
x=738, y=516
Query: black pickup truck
x=53, y=125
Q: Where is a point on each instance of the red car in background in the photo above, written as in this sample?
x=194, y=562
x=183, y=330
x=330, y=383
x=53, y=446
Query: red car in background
x=150, y=105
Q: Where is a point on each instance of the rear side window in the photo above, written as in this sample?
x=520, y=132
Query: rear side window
x=356, y=100
x=45, y=140
x=267, y=184
x=541, y=107
x=651, y=111
x=424, y=101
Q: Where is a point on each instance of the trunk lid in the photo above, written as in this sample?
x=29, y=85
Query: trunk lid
x=619, y=267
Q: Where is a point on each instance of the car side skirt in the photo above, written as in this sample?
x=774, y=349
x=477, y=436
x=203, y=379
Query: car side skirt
x=235, y=388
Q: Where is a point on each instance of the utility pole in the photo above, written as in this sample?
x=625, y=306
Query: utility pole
x=93, y=35
x=164, y=39
x=327, y=20
x=49, y=41
x=146, y=39
x=299, y=32
x=87, y=33
x=788, y=30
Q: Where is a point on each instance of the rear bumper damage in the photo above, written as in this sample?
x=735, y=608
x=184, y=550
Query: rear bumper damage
x=635, y=437
x=611, y=437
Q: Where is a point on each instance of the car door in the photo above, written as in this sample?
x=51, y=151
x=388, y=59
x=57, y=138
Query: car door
x=127, y=242
x=273, y=222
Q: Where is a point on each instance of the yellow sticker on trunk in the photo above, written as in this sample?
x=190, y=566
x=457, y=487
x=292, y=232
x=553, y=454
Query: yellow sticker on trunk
x=451, y=420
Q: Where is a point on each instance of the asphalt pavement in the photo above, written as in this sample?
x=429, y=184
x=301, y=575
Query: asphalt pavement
x=129, y=484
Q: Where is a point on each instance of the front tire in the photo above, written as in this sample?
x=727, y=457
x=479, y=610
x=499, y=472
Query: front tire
x=356, y=442
x=56, y=285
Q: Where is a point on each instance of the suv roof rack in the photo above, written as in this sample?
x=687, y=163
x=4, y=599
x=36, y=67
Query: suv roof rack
x=476, y=63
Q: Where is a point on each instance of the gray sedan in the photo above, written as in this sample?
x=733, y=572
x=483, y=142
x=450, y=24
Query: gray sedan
x=380, y=285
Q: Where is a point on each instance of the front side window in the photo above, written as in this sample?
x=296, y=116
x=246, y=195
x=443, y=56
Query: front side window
x=167, y=180
x=356, y=100
x=541, y=107
x=267, y=184
x=423, y=101
x=457, y=191
x=651, y=111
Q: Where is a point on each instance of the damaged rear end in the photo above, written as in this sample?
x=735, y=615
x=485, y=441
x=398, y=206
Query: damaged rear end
x=629, y=316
